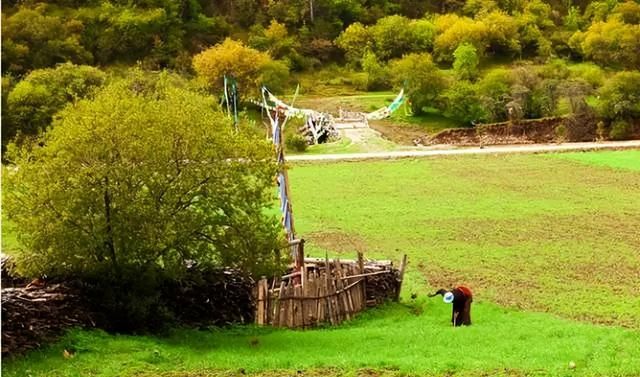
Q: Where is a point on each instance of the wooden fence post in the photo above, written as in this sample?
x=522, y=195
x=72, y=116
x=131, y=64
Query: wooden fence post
x=261, y=300
x=328, y=290
x=403, y=266
x=364, y=280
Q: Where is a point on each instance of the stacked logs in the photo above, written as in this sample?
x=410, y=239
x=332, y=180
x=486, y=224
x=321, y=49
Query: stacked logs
x=35, y=315
x=382, y=287
x=212, y=297
x=9, y=279
x=38, y=314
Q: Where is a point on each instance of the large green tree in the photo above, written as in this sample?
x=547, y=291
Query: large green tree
x=142, y=177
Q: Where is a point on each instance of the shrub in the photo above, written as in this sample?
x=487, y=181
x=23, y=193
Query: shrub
x=465, y=63
x=610, y=43
x=275, y=76
x=462, y=102
x=377, y=77
x=561, y=132
x=620, y=96
x=620, y=130
x=494, y=92
x=589, y=72
x=296, y=143
x=31, y=39
x=32, y=103
x=422, y=79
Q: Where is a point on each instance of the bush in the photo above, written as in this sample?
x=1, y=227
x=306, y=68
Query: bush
x=561, y=132
x=465, y=64
x=33, y=101
x=494, y=92
x=377, y=77
x=620, y=96
x=421, y=78
x=275, y=76
x=296, y=142
x=462, y=102
x=620, y=130
x=31, y=39
x=589, y=72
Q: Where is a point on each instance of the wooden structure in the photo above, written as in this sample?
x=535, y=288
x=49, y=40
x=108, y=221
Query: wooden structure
x=323, y=291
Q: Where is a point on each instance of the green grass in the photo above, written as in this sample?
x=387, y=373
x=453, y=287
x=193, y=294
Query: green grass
x=408, y=338
x=549, y=246
x=525, y=231
x=615, y=159
x=432, y=121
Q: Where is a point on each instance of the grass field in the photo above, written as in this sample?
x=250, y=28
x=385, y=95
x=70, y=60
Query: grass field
x=548, y=243
x=615, y=159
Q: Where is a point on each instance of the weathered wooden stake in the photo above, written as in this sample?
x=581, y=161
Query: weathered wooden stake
x=403, y=265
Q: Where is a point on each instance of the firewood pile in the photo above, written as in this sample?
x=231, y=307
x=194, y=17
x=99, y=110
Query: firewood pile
x=9, y=279
x=212, y=297
x=35, y=315
x=382, y=287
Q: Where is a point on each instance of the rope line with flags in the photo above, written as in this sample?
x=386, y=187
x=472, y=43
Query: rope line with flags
x=386, y=111
x=277, y=121
x=231, y=98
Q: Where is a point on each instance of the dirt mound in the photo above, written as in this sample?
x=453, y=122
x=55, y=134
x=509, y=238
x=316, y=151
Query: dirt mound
x=523, y=132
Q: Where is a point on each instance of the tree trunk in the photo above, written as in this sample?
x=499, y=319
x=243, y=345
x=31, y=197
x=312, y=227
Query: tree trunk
x=107, y=215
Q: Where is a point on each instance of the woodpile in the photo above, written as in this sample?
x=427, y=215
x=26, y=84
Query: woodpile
x=212, y=297
x=326, y=291
x=39, y=313
x=33, y=316
x=9, y=279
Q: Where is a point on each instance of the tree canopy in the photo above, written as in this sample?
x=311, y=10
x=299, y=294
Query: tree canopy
x=249, y=67
x=142, y=177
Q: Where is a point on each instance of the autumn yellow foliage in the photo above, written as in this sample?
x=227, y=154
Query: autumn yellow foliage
x=231, y=58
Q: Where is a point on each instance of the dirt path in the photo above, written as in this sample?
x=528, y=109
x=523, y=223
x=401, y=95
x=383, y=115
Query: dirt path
x=432, y=151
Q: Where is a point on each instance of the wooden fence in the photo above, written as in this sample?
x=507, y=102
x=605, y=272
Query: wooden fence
x=322, y=291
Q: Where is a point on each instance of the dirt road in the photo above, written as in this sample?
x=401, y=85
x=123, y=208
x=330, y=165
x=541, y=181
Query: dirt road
x=524, y=148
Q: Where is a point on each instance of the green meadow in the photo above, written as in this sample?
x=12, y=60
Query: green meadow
x=548, y=243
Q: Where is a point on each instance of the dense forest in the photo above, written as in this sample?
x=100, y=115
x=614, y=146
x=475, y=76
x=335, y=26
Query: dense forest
x=475, y=60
